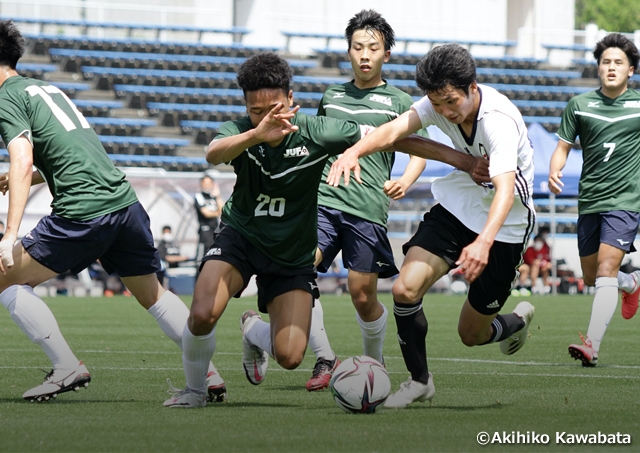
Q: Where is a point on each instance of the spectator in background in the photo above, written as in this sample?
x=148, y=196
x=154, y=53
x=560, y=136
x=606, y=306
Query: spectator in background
x=537, y=263
x=208, y=207
x=1, y=229
x=169, y=252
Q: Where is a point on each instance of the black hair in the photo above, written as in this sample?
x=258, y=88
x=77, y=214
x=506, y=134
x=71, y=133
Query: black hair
x=370, y=20
x=166, y=227
x=449, y=64
x=11, y=44
x=622, y=43
x=265, y=70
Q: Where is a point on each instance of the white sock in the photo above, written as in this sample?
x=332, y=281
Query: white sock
x=373, y=334
x=35, y=319
x=172, y=314
x=604, y=305
x=626, y=282
x=259, y=334
x=318, y=340
x=196, y=357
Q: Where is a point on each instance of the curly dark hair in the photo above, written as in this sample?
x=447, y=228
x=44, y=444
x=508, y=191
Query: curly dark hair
x=449, y=64
x=265, y=70
x=371, y=20
x=11, y=44
x=622, y=43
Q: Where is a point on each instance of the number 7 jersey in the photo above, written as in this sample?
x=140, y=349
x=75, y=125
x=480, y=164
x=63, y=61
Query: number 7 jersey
x=609, y=131
x=67, y=152
x=274, y=203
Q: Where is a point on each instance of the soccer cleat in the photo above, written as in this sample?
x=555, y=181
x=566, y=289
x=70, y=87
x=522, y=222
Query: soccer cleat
x=630, y=300
x=254, y=360
x=216, y=390
x=516, y=341
x=584, y=352
x=410, y=392
x=59, y=381
x=322, y=372
x=185, y=399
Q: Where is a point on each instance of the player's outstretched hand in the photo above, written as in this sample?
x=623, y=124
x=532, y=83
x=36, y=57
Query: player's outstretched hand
x=479, y=171
x=344, y=165
x=394, y=189
x=474, y=259
x=4, y=183
x=555, y=183
x=6, y=254
x=275, y=125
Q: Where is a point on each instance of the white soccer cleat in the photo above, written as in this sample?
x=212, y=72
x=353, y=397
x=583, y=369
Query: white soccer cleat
x=254, y=360
x=216, y=389
x=410, y=392
x=186, y=399
x=59, y=381
x=516, y=341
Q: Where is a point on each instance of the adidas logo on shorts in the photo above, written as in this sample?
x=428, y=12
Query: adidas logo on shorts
x=214, y=251
x=494, y=304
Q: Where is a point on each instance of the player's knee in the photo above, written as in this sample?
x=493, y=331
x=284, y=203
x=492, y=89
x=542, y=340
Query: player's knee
x=469, y=338
x=403, y=294
x=290, y=360
x=201, y=322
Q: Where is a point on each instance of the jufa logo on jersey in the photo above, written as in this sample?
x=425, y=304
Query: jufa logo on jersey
x=296, y=152
x=631, y=104
x=381, y=99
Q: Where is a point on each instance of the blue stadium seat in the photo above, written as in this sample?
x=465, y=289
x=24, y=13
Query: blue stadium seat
x=108, y=77
x=120, y=126
x=90, y=107
x=202, y=131
x=142, y=145
x=36, y=70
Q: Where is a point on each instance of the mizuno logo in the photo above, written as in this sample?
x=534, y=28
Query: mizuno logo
x=622, y=242
x=338, y=96
x=400, y=340
x=594, y=104
x=494, y=304
x=313, y=286
x=29, y=235
x=214, y=251
x=261, y=150
x=380, y=263
x=296, y=152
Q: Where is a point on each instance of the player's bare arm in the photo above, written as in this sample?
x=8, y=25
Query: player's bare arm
x=397, y=188
x=475, y=256
x=381, y=139
x=20, y=173
x=557, y=163
x=416, y=145
x=272, y=129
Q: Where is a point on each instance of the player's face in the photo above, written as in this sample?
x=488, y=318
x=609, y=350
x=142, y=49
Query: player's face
x=614, y=70
x=261, y=102
x=454, y=104
x=367, y=55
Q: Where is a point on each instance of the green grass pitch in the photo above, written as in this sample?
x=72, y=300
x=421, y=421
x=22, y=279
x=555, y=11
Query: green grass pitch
x=540, y=389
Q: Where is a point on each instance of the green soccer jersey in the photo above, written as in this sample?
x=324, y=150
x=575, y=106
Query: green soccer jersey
x=373, y=107
x=609, y=131
x=66, y=150
x=274, y=203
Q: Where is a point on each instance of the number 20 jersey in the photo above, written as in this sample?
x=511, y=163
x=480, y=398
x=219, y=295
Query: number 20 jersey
x=274, y=203
x=609, y=131
x=67, y=152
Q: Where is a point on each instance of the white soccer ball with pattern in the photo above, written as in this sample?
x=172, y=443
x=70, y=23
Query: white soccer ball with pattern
x=360, y=384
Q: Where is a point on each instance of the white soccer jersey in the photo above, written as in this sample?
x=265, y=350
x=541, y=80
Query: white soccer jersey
x=500, y=135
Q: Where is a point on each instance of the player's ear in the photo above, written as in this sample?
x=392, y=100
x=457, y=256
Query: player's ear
x=290, y=98
x=387, y=55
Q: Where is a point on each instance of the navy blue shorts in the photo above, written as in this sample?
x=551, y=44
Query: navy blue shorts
x=615, y=228
x=272, y=279
x=365, y=246
x=442, y=234
x=122, y=241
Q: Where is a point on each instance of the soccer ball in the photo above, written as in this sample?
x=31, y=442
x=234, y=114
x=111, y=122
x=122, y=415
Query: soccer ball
x=359, y=385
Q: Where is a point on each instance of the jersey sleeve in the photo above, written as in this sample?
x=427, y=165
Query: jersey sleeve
x=229, y=129
x=425, y=111
x=503, y=136
x=14, y=121
x=333, y=134
x=568, y=130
